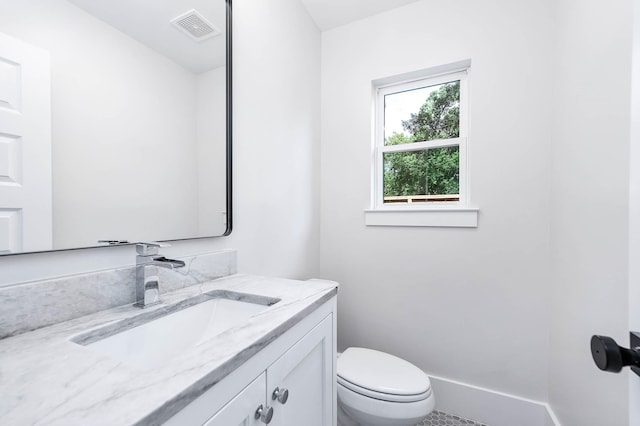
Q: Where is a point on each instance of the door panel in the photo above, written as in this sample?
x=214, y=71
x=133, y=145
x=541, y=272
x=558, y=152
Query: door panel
x=305, y=371
x=25, y=148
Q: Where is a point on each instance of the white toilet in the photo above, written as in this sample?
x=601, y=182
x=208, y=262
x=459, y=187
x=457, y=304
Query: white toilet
x=378, y=389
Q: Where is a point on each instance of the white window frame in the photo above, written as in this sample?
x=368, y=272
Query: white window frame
x=450, y=213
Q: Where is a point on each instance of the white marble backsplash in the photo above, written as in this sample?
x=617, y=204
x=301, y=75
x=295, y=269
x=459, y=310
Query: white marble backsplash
x=30, y=306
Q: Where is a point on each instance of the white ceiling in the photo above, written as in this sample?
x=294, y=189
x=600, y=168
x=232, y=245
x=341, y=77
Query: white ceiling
x=148, y=21
x=332, y=13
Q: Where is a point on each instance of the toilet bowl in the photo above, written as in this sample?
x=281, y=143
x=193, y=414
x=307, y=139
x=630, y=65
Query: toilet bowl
x=379, y=389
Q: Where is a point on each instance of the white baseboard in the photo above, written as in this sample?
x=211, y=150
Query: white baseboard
x=489, y=407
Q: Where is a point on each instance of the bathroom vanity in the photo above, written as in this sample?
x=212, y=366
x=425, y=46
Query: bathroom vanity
x=275, y=364
x=294, y=383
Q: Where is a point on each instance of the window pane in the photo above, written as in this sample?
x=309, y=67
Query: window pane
x=422, y=176
x=422, y=114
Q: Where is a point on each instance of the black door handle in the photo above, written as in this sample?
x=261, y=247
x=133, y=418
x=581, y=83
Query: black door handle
x=609, y=356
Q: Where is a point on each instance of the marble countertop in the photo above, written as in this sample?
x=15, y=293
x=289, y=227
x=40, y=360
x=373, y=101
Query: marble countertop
x=46, y=379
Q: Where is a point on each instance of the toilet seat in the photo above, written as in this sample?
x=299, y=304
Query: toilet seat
x=381, y=395
x=382, y=376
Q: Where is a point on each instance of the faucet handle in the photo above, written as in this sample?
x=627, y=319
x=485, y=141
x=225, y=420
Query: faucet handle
x=150, y=248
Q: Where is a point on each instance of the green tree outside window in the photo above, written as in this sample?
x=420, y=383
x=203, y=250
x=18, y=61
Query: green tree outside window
x=434, y=171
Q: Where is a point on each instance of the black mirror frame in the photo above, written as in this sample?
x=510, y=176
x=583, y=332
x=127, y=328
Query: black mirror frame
x=229, y=123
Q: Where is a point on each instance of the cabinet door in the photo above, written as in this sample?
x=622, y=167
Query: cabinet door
x=306, y=372
x=240, y=411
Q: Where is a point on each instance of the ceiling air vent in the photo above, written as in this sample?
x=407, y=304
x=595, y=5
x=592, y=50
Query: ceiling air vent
x=195, y=26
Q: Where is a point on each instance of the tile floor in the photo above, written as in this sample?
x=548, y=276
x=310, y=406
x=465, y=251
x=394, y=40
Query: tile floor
x=438, y=418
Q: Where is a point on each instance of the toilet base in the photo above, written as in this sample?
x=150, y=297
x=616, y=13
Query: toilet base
x=359, y=410
x=343, y=418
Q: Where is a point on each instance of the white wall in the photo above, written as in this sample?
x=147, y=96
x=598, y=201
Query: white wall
x=465, y=304
x=211, y=149
x=276, y=119
x=590, y=208
x=107, y=130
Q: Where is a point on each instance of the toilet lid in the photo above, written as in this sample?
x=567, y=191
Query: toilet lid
x=381, y=372
x=344, y=384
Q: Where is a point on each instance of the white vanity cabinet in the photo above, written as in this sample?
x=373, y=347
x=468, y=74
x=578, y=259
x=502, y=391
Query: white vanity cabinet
x=303, y=376
x=292, y=379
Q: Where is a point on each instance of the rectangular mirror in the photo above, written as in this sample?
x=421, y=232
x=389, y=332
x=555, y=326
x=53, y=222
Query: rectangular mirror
x=114, y=122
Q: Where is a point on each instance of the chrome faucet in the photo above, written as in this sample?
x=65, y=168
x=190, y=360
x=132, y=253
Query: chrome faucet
x=147, y=262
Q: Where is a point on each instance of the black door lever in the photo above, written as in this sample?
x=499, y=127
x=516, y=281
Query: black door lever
x=609, y=356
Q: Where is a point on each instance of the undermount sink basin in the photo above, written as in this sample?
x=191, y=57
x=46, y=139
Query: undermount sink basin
x=151, y=339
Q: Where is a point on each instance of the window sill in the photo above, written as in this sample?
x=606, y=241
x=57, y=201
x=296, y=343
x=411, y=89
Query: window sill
x=448, y=217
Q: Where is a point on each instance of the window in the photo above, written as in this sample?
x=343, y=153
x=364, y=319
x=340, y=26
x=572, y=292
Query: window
x=419, y=159
x=420, y=137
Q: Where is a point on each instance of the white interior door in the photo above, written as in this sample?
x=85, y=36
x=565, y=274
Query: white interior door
x=634, y=213
x=25, y=147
